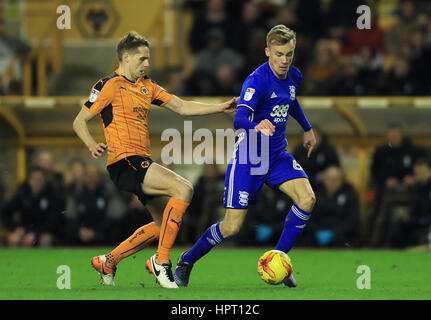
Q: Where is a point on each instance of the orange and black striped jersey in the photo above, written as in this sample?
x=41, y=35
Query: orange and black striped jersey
x=124, y=106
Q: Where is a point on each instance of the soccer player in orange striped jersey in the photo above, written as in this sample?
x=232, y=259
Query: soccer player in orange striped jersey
x=123, y=101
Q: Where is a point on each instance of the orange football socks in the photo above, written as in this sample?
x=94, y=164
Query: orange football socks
x=172, y=218
x=140, y=239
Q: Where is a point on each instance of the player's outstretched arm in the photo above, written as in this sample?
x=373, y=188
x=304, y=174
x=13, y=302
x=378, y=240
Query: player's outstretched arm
x=193, y=108
x=81, y=129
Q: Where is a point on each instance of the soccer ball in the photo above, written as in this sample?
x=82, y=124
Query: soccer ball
x=274, y=267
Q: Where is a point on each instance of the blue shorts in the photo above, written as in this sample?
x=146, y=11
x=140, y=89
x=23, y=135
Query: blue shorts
x=241, y=187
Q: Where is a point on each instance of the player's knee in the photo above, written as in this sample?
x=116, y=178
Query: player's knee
x=229, y=229
x=307, y=201
x=187, y=191
x=182, y=190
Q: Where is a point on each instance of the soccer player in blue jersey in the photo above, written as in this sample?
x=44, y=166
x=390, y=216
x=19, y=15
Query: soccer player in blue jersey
x=267, y=99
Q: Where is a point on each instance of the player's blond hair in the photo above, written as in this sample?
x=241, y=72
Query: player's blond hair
x=279, y=35
x=131, y=41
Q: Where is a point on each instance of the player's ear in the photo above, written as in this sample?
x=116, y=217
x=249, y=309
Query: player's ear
x=126, y=56
x=267, y=52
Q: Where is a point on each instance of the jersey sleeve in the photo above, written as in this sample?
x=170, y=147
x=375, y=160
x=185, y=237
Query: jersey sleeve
x=160, y=95
x=250, y=93
x=102, y=94
x=299, y=115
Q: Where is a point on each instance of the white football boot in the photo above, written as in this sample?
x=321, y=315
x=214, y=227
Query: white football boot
x=162, y=272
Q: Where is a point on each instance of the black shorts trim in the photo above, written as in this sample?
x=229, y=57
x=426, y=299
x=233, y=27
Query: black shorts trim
x=129, y=173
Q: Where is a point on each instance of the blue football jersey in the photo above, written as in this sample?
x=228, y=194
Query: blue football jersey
x=271, y=98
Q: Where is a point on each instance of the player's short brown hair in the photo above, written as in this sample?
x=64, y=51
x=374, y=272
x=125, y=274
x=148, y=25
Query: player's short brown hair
x=280, y=34
x=131, y=41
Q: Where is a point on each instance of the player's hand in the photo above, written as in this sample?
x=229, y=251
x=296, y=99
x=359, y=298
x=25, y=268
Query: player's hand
x=97, y=149
x=309, y=141
x=265, y=127
x=229, y=106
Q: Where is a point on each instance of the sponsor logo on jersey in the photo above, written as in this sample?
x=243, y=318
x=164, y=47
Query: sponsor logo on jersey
x=279, y=112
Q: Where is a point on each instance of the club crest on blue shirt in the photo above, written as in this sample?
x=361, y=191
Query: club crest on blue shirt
x=249, y=94
x=243, y=198
x=292, y=92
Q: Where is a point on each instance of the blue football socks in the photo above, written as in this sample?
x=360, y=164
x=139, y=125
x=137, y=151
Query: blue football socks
x=211, y=237
x=294, y=224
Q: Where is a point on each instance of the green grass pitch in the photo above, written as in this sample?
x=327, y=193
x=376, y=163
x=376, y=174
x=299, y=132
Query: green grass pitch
x=225, y=273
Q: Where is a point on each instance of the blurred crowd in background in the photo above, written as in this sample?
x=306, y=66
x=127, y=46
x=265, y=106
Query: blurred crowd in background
x=336, y=58
x=227, y=40
x=83, y=207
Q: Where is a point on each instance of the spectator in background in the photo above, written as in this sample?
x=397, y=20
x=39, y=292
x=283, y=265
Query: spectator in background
x=216, y=53
x=285, y=15
x=402, y=30
x=76, y=179
x=33, y=215
x=226, y=83
x=405, y=214
x=347, y=82
x=9, y=48
x=176, y=83
x=399, y=80
x=249, y=22
x=92, y=212
x=392, y=162
x=250, y=38
x=45, y=161
x=263, y=227
x=200, y=84
x=136, y=215
x=211, y=58
x=422, y=190
x=392, y=166
x=214, y=18
x=420, y=62
x=369, y=64
x=205, y=207
x=335, y=217
x=255, y=55
x=322, y=69
x=323, y=156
